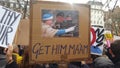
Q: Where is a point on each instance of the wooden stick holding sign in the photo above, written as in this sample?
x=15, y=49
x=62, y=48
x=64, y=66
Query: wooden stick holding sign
x=9, y=21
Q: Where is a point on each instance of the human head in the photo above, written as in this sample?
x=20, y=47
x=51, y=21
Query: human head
x=102, y=62
x=69, y=18
x=3, y=61
x=60, y=14
x=114, y=51
x=115, y=48
x=60, y=17
x=47, y=18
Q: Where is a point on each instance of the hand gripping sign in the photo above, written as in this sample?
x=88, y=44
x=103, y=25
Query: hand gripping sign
x=9, y=21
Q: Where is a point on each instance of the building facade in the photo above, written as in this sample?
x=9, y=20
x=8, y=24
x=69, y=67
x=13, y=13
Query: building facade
x=97, y=14
x=21, y=6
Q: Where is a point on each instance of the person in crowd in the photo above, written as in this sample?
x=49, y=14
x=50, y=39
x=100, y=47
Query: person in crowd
x=21, y=50
x=102, y=62
x=69, y=18
x=60, y=21
x=114, y=53
x=53, y=65
x=74, y=65
x=10, y=62
x=2, y=58
x=81, y=64
x=48, y=30
x=64, y=21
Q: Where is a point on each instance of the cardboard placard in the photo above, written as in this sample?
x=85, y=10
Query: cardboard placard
x=97, y=38
x=22, y=34
x=72, y=46
x=9, y=21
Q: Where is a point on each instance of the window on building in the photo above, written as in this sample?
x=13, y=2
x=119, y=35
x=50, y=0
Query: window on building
x=94, y=22
x=96, y=7
x=93, y=6
x=14, y=5
x=2, y=3
x=17, y=6
x=11, y=5
x=8, y=4
x=97, y=22
x=94, y=16
x=94, y=12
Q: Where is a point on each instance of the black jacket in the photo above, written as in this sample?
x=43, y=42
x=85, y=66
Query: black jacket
x=12, y=65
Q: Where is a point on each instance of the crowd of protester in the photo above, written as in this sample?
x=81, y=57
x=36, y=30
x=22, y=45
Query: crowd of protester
x=110, y=60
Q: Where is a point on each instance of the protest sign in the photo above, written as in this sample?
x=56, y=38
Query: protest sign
x=22, y=34
x=9, y=21
x=108, y=37
x=73, y=46
x=97, y=38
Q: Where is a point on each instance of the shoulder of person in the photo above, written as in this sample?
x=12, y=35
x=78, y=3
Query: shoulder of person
x=11, y=64
x=117, y=65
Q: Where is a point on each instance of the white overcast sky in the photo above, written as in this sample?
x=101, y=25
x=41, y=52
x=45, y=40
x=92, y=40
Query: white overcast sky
x=111, y=5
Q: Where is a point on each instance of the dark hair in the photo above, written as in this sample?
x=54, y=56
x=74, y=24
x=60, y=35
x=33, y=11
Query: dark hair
x=44, y=21
x=102, y=62
x=60, y=14
x=115, y=47
x=106, y=67
x=117, y=65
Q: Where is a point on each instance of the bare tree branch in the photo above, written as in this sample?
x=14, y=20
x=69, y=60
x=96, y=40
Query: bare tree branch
x=25, y=8
x=18, y=1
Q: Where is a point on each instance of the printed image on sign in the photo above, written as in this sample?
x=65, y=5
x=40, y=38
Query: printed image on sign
x=64, y=23
x=47, y=45
x=97, y=37
x=9, y=21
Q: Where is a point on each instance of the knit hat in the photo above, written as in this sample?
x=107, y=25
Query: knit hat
x=47, y=16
